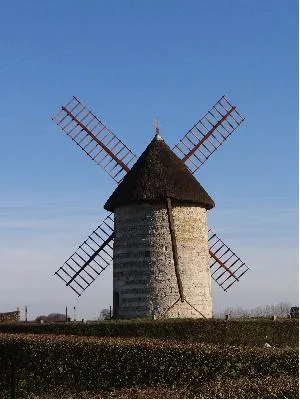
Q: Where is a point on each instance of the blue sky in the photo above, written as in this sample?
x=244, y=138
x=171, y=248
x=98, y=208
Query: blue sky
x=132, y=61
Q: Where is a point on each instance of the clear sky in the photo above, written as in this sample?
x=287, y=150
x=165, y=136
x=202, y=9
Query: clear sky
x=132, y=61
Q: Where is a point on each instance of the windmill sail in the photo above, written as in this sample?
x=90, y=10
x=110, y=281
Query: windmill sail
x=226, y=267
x=208, y=134
x=91, y=258
x=95, y=139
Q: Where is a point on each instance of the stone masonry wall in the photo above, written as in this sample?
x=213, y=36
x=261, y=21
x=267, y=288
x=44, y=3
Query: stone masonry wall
x=144, y=277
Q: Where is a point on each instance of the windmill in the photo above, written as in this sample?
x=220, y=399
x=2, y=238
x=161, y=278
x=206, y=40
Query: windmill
x=156, y=233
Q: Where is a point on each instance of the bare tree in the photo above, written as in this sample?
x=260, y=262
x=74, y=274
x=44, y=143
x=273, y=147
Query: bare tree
x=104, y=314
x=281, y=310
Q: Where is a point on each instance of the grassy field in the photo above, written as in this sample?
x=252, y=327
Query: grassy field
x=150, y=359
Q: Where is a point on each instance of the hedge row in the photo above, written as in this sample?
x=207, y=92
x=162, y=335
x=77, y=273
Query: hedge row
x=280, y=387
x=266, y=387
x=236, y=332
x=39, y=364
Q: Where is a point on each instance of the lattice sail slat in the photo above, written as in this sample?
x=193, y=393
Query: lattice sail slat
x=208, y=134
x=91, y=258
x=226, y=267
x=95, y=139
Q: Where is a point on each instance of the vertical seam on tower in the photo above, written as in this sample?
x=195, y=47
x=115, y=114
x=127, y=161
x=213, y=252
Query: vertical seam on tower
x=174, y=248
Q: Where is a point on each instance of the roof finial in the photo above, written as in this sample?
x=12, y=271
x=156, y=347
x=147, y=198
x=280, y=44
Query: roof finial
x=156, y=127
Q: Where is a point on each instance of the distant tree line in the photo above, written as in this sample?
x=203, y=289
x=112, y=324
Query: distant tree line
x=53, y=317
x=280, y=310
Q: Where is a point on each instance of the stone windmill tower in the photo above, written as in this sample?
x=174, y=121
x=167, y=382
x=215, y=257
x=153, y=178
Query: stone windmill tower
x=161, y=254
x=156, y=233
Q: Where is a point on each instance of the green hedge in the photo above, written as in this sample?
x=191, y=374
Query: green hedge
x=279, y=333
x=36, y=365
x=267, y=387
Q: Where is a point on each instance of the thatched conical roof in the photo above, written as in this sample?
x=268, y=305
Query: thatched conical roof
x=156, y=175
